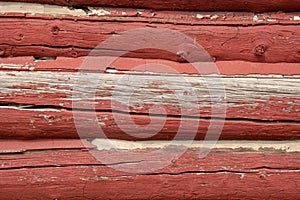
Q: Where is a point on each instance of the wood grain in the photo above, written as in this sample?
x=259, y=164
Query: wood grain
x=52, y=37
x=38, y=104
x=30, y=124
x=45, y=108
x=268, y=97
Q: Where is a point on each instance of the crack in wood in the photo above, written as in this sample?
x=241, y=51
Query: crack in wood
x=53, y=107
x=248, y=171
x=68, y=165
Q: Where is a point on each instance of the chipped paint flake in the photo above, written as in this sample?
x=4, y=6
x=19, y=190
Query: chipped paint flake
x=111, y=70
x=140, y=12
x=199, y=16
x=214, y=17
x=271, y=20
x=100, y=123
x=256, y=19
x=99, y=12
x=296, y=18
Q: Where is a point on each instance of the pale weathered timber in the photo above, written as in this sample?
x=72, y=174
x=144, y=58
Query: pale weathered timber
x=266, y=106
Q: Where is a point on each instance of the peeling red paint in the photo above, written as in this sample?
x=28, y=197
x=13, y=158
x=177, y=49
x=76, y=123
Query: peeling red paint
x=238, y=173
x=60, y=124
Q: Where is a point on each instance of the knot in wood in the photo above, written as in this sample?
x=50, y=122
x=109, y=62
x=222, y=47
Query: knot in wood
x=260, y=50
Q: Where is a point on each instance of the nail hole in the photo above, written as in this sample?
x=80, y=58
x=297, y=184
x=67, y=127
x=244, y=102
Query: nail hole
x=55, y=30
x=20, y=37
x=37, y=58
x=74, y=54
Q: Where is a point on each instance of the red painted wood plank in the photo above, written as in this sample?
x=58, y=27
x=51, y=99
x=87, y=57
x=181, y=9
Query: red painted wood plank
x=122, y=64
x=10, y=146
x=220, y=175
x=41, y=102
x=37, y=123
x=71, y=183
x=203, y=5
x=229, y=159
x=76, y=38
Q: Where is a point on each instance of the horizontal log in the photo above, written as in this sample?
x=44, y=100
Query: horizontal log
x=254, y=97
x=44, y=123
x=200, y=5
x=39, y=103
x=50, y=37
x=221, y=174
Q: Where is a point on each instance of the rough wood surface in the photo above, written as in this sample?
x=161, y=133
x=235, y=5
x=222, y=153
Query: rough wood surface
x=257, y=55
x=260, y=97
x=200, y=5
x=76, y=174
x=72, y=36
x=30, y=124
x=39, y=104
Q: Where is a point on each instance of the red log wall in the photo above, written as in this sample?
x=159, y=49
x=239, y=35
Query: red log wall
x=255, y=46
